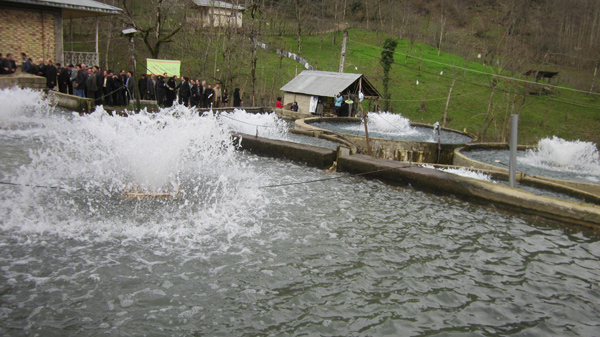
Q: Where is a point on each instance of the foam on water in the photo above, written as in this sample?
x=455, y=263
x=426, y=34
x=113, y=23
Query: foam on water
x=267, y=125
x=557, y=154
x=387, y=122
x=463, y=172
x=95, y=158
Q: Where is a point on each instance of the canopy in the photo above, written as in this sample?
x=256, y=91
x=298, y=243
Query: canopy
x=159, y=67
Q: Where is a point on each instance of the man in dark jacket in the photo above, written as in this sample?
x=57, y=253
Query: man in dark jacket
x=99, y=83
x=8, y=64
x=123, y=91
x=118, y=84
x=91, y=84
x=25, y=65
x=80, y=80
x=161, y=90
x=50, y=71
x=107, y=87
x=72, y=77
x=184, y=91
x=151, y=87
x=142, y=83
x=63, y=78
x=194, y=93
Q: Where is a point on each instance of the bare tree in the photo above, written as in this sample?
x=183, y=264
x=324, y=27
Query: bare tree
x=154, y=25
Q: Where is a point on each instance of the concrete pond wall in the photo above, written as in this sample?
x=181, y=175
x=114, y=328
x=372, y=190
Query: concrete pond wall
x=400, y=150
x=587, y=191
x=426, y=179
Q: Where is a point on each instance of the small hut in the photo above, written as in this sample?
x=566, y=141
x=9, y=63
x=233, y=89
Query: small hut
x=314, y=91
x=218, y=14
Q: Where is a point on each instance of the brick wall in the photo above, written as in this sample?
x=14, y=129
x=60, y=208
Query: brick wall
x=27, y=31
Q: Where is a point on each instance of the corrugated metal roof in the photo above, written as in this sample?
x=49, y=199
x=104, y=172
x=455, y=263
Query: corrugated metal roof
x=81, y=5
x=320, y=83
x=218, y=4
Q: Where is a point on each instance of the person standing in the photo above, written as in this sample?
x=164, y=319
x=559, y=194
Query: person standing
x=117, y=88
x=218, y=96
x=338, y=104
x=50, y=71
x=194, y=93
x=151, y=87
x=81, y=80
x=278, y=104
x=25, y=65
x=72, y=77
x=123, y=91
x=41, y=68
x=171, y=86
x=237, y=98
x=161, y=90
x=130, y=86
x=9, y=66
x=107, y=87
x=63, y=78
x=225, y=98
x=202, y=94
x=142, y=84
x=99, y=83
x=210, y=96
x=91, y=84
x=184, y=91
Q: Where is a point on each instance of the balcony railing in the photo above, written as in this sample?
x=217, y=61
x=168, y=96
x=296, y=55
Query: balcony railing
x=77, y=57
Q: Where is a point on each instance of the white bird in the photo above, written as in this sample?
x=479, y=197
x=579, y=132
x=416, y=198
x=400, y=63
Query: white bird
x=417, y=82
x=442, y=72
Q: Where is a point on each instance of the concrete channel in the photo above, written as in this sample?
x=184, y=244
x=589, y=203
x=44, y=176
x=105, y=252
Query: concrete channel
x=426, y=179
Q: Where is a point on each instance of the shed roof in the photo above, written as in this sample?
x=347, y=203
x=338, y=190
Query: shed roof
x=327, y=83
x=218, y=4
x=70, y=8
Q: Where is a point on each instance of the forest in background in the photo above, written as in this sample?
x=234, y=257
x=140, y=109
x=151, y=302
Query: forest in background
x=498, y=37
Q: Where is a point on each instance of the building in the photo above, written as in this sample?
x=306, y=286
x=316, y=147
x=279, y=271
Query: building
x=314, y=91
x=215, y=13
x=35, y=27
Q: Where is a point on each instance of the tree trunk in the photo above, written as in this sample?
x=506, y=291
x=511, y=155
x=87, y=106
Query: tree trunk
x=487, y=115
x=594, y=78
x=448, y=101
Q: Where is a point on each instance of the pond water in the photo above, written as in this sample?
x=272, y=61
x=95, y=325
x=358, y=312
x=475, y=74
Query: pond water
x=553, y=158
x=231, y=256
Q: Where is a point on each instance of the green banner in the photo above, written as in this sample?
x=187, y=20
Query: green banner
x=159, y=67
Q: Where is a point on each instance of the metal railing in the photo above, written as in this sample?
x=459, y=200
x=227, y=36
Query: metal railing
x=77, y=57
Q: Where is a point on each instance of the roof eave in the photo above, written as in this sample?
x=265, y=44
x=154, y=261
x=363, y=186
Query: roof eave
x=70, y=9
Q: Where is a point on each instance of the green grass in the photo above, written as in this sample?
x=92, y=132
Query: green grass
x=567, y=114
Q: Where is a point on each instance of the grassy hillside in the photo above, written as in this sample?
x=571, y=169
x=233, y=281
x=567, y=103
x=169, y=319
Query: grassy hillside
x=421, y=80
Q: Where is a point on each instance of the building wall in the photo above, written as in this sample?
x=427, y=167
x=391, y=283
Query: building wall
x=218, y=17
x=28, y=31
x=303, y=101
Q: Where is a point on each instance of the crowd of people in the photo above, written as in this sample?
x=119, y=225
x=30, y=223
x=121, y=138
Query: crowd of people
x=117, y=89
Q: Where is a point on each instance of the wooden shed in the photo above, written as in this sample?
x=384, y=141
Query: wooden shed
x=314, y=91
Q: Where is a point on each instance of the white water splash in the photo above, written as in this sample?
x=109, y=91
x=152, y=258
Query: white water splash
x=391, y=123
x=267, y=125
x=556, y=154
x=463, y=172
x=95, y=158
